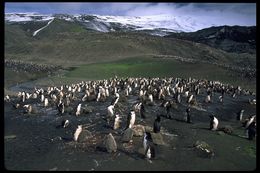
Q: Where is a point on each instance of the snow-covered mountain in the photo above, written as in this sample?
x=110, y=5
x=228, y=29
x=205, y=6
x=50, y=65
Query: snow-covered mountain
x=156, y=25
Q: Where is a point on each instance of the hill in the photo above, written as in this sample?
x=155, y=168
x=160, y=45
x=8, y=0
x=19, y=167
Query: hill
x=237, y=39
x=70, y=43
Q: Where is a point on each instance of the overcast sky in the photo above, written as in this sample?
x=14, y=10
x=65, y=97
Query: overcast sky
x=222, y=13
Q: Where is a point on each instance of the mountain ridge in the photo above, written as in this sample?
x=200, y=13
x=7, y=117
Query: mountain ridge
x=160, y=25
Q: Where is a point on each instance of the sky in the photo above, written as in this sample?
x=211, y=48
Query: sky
x=243, y=14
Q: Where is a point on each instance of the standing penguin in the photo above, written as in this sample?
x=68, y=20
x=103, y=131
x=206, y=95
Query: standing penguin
x=115, y=100
x=78, y=110
x=149, y=151
x=61, y=108
x=116, y=122
x=168, y=109
x=110, y=113
x=65, y=123
x=188, y=115
x=130, y=119
x=142, y=111
x=189, y=98
x=220, y=99
x=46, y=102
x=213, y=123
x=240, y=115
x=208, y=100
x=178, y=98
x=157, y=124
x=249, y=121
x=251, y=131
x=77, y=132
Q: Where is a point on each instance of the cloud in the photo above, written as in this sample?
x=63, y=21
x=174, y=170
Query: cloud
x=222, y=13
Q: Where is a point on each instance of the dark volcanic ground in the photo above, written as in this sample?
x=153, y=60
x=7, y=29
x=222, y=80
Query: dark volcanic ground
x=41, y=144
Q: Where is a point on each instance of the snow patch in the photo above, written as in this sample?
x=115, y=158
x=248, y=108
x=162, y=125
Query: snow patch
x=35, y=32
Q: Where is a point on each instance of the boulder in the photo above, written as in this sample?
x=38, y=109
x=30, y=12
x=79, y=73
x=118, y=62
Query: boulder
x=84, y=136
x=88, y=109
x=110, y=143
x=203, y=149
x=128, y=135
x=227, y=129
x=157, y=138
x=138, y=130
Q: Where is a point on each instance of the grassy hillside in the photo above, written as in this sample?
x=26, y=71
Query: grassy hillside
x=97, y=55
x=71, y=44
x=147, y=66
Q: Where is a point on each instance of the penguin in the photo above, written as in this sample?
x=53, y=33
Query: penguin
x=84, y=98
x=207, y=100
x=168, y=109
x=61, y=107
x=188, y=115
x=16, y=106
x=147, y=139
x=116, y=122
x=197, y=91
x=213, y=123
x=220, y=99
x=157, y=124
x=186, y=94
x=110, y=113
x=98, y=96
x=115, y=100
x=251, y=131
x=78, y=110
x=42, y=98
x=28, y=109
x=65, y=123
x=189, y=98
x=178, y=98
x=150, y=97
x=240, y=115
x=7, y=98
x=142, y=111
x=149, y=151
x=77, y=132
x=252, y=102
x=130, y=119
x=23, y=96
x=46, y=102
x=249, y=121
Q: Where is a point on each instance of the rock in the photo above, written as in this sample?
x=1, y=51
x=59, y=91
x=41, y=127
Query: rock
x=193, y=103
x=69, y=110
x=148, y=129
x=10, y=137
x=221, y=133
x=150, y=103
x=110, y=143
x=138, y=130
x=123, y=99
x=88, y=109
x=128, y=135
x=204, y=149
x=84, y=136
x=174, y=105
x=157, y=138
x=227, y=129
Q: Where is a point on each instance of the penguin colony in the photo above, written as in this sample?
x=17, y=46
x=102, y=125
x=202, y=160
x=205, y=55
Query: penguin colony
x=167, y=92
